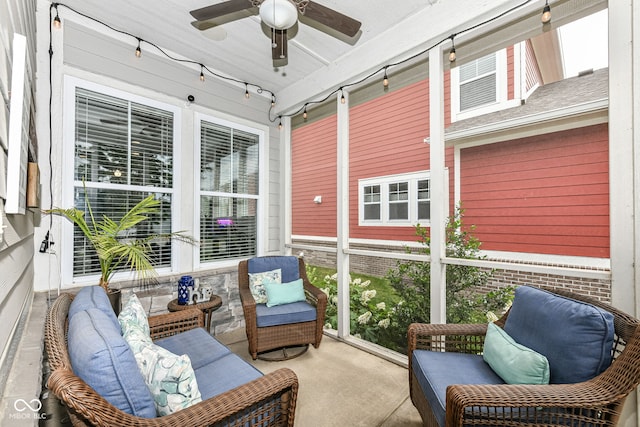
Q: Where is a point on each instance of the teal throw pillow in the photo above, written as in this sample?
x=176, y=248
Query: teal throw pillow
x=256, y=283
x=284, y=293
x=514, y=363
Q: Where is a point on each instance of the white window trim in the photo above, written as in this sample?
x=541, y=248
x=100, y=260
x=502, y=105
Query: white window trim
x=262, y=188
x=68, y=183
x=384, y=181
x=501, y=92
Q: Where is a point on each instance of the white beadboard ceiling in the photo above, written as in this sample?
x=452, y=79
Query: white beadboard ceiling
x=318, y=63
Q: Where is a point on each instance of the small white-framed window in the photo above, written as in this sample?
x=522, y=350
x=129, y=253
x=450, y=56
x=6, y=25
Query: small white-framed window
x=480, y=86
x=395, y=200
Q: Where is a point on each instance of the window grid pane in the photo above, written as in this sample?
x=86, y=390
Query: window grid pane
x=229, y=165
x=372, y=202
x=424, y=200
x=399, y=201
x=120, y=143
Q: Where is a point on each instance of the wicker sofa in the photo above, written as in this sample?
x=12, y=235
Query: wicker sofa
x=234, y=393
x=590, y=375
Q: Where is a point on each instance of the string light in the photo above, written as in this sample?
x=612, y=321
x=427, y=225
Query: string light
x=273, y=100
x=138, y=50
x=280, y=122
x=452, y=52
x=304, y=113
x=546, y=13
x=57, y=23
x=385, y=79
x=246, y=91
x=201, y=72
x=342, y=98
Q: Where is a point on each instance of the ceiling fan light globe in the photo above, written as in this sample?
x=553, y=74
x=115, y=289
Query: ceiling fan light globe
x=278, y=14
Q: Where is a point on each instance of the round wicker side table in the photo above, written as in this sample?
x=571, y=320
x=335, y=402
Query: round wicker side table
x=207, y=307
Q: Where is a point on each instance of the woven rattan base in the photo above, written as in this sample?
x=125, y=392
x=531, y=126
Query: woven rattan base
x=284, y=353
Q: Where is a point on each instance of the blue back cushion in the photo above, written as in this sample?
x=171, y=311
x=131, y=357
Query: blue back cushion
x=576, y=337
x=93, y=297
x=287, y=264
x=102, y=358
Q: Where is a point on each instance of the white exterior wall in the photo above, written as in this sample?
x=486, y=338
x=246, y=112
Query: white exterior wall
x=90, y=52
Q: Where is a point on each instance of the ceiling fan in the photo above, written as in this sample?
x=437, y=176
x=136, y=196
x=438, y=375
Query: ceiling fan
x=280, y=16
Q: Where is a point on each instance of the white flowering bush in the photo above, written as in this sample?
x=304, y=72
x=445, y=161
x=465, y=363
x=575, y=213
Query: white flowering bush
x=369, y=317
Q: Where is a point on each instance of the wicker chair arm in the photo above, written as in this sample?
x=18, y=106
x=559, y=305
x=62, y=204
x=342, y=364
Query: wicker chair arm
x=429, y=336
x=168, y=324
x=561, y=404
x=230, y=407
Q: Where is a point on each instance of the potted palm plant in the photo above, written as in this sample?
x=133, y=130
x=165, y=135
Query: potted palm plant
x=114, y=245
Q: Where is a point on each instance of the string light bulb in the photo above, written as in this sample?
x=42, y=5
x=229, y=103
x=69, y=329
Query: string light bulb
x=342, y=98
x=138, y=50
x=304, y=113
x=57, y=23
x=201, y=72
x=546, y=13
x=246, y=91
x=280, y=122
x=273, y=101
x=452, y=52
x=385, y=79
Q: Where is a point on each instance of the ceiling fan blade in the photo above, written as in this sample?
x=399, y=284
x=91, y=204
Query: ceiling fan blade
x=220, y=9
x=279, y=48
x=332, y=19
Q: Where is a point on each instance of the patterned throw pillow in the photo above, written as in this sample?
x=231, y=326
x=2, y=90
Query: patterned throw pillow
x=256, y=283
x=133, y=316
x=169, y=377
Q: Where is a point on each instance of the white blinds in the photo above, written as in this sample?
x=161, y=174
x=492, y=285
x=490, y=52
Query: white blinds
x=228, y=192
x=478, y=82
x=123, y=152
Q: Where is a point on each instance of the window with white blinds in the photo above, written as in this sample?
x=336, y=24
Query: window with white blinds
x=478, y=82
x=229, y=183
x=123, y=152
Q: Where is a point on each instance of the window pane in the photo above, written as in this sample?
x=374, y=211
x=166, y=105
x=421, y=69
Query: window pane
x=372, y=212
x=151, y=147
x=227, y=227
x=229, y=160
x=398, y=211
x=114, y=204
x=424, y=210
x=478, y=92
x=398, y=191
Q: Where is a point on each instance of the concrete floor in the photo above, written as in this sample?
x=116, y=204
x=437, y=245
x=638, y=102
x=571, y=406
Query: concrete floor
x=340, y=385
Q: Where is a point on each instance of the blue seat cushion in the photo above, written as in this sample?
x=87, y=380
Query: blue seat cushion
x=576, y=337
x=93, y=297
x=285, y=314
x=287, y=264
x=226, y=373
x=435, y=371
x=102, y=358
x=196, y=343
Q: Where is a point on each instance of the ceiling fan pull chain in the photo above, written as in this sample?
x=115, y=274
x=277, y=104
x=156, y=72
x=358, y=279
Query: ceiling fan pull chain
x=274, y=43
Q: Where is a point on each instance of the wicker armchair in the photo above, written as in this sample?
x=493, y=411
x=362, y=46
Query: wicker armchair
x=270, y=398
x=597, y=402
x=262, y=339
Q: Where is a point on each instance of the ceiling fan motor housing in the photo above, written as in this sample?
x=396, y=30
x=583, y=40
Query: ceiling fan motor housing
x=279, y=14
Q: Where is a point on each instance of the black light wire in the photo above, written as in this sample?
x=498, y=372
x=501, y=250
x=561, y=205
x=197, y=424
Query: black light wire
x=403, y=61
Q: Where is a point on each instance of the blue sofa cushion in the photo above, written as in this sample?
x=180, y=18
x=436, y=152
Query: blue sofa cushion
x=287, y=264
x=93, y=297
x=226, y=373
x=201, y=347
x=575, y=337
x=102, y=358
x=285, y=314
x=436, y=370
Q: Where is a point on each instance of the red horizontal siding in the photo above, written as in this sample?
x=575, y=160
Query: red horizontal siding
x=545, y=194
x=314, y=163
